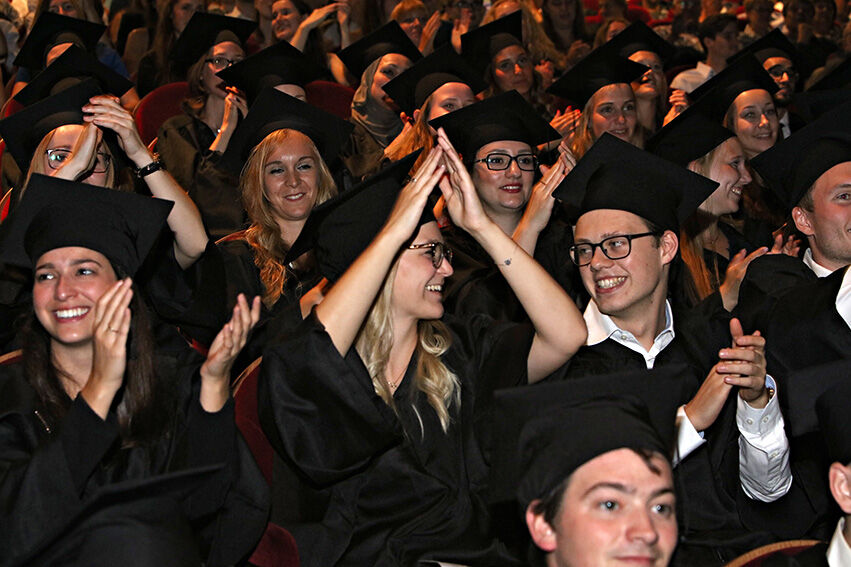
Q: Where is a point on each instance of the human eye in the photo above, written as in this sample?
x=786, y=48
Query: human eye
x=85, y=271
x=605, y=109
x=663, y=509
x=58, y=156
x=305, y=166
x=496, y=159
x=526, y=159
x=505, y=65
x=771, y=111
x=608, y=505
x=616, y=243
x=844, y=196
x=449, y=106
x=275, y=170
x=43, y=276
x=749, y=115
x=629, y=106
x=582, y=251
x=523, y=61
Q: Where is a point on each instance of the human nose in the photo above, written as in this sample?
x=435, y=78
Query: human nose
x=599, y=258
x=63, y=289
x=445, y=269
x=642, y=527
x=291, y=178
x=763, y=120
x=744, y=175
x=514, y=168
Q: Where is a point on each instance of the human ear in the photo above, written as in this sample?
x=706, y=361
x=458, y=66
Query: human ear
x=840, y=485
x=542, y=533
x=668, y=246
x=802, y=221
x=416, y=115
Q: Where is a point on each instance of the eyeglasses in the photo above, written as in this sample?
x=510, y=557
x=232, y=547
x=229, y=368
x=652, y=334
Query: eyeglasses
x=221, y=62
x=57, y=156
x=614, y=247
x=438, y=251
x=501, y=162
x=779, y=70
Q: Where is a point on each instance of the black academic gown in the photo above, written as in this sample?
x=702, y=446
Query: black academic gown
x=385, y=487
x=70, y=494
x=803, y=329
x=767, y=278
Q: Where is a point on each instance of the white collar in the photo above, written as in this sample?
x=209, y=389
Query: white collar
x=601, y=327
x=817, y=268
x=839, y=553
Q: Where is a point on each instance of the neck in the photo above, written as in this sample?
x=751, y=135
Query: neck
x=646, y=321
x=214, y=112
x=715, y=61
x=846, y=533
x=75, y=363
x=404, y=344
x=507, y=221
x=565, y=36
x=646, y=109
x=290, y=230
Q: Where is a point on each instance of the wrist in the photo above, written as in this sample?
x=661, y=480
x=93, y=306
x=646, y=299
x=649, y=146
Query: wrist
x=759, y=401
x=142, y=158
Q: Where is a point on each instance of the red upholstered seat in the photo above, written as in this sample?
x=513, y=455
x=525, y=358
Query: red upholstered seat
x=277, y=547
x=158, y=106
x=757, y=556
x=331, y=97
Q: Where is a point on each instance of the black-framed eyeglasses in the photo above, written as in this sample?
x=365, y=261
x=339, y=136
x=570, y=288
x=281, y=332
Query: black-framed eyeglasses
x=438, y=250
x=614, y=247
x=779, y=70
x=56, y=158
x=221, y=62
x=501, y=162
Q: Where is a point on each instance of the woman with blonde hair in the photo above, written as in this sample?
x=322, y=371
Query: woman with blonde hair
x=375, y=396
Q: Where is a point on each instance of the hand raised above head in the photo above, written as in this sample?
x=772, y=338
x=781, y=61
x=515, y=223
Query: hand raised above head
x=459, y=192
x=405, y=216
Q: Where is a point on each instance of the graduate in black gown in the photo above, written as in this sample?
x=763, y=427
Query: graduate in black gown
x=109, y=453
x=375, y=397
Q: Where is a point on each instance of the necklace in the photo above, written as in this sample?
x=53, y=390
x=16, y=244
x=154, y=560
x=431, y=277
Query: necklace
x=393, y=384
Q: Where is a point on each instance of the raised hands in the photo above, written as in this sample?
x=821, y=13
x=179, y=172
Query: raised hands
x=565, y=122
x=83, y=155
x=742, y=366
x=736, y=270
x=406, y=213
x=106, y=112
x=459, y=192
x=215, y=372
x=540, y=205
x=111, y=328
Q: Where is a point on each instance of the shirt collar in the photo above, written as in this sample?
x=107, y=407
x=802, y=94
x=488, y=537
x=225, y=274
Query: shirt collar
x=601, y=327
x=839, y=553
x=817, y=268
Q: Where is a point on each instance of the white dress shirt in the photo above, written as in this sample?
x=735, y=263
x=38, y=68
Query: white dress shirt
x=785, y=128
x=763, y=447
x=817, y=268
x=843, y=298
x=690, y=79
x=839, y=553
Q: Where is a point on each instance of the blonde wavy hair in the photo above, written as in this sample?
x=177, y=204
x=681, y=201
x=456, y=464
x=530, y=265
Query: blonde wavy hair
x=433, y=378
x=583, y=137
x=264, y=234
x=419, y=136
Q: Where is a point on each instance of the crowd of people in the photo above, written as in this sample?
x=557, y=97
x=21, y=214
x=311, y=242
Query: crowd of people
x=565, y=285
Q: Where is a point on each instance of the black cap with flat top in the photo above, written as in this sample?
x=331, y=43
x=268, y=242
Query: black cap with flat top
x=481, y=45
x=280, y=64
x=792, y=165
x=73, y=66
x=744, y=74
x=389, y=38
x=411, y=88
x=547, y=431
x=602, y=67
x=56, y=213
x=274, y=110
x=689, y=136
x=773, y=44
x=205, y=30
x=616, y=175
x=52, y=29
x=638, y=37
x=506, y=116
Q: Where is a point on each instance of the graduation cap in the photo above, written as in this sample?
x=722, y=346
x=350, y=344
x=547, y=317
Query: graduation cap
x=603, y=66
x=614, y=174
x=547, y=431
x=506, y=116
x=55, y=213
x=70, y=68
x=837, y=78
x=389, y=38
x=689, y=136
x=481, y=45
x=52, y=29
x=205, y=30
x=274, y=110
x=639, y=37
x=24, y=130
x=744, y=74
x=280, y=64
x=792, y=165
x=773, y=44
x=341, y=228
x=412, y=87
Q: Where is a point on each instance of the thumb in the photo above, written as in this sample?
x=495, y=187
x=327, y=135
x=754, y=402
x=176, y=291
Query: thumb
x=736, y=330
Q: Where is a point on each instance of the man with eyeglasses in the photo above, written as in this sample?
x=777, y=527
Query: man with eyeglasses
x=630, y=205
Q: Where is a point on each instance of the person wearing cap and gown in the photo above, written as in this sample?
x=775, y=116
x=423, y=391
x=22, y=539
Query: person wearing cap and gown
x=381, y=424
x=436, y=85
x=590, y=499
x=600, y=84
x=284, y=144
x=111, y=453
x=375, y=59
x=625, y=243
x=191, y=143
x=497, y=138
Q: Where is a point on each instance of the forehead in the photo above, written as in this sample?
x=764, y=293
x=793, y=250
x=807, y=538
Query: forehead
x=395, y=59
x=65, y=135
x=729, y=148
x=295, y=144
x=615, y=93
x=774, y=61
x=623, y=467
x=227, y=48
x=68, y=254
x=429, y=232
x=450, y=90
x=595, y=225
x=838, y=175
x=510, y=146
x=751, y=97
x=283, y=4
x=510, y=51
x=646, y=57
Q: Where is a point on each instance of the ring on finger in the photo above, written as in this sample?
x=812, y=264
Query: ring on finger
x=111, y=330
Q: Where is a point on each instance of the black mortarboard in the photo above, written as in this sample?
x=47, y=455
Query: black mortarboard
x=692, y=134
x=506, y=116
x=24, y=130
x=274, y=110
x=837, y=78
x=280, y=64
x=481, y=45
x=547, y=431
x=68, y=69
x=55, y=213
x=792, y=165
x=773, y=44
x=341, y=228
x=389, y=38
x=52, y=29
x=614, y=174
x=205, y=30
x=603, y=66
x=411, y=88
x=639, y=37
x=744, y=74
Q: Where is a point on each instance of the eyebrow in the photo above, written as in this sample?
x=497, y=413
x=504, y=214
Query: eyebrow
x=49, y=265
x=627, y=489
x=268, y=163
x=603, y=236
